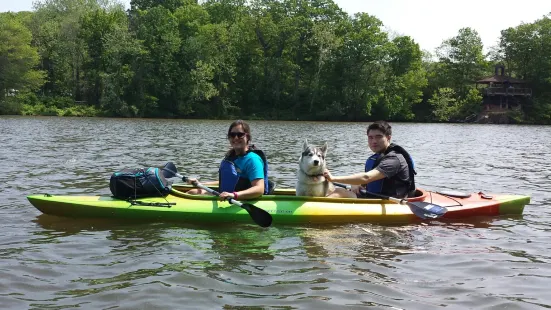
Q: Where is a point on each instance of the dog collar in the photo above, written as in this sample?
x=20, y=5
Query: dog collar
x=313, y=176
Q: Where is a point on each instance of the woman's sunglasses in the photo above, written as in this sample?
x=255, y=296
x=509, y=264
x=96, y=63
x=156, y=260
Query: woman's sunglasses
x=236, y=134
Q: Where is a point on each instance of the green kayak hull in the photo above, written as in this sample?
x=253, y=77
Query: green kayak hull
x=284, y=206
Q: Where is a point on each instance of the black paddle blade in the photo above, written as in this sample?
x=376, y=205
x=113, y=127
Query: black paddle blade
x=169, y=170
x=426, y=210
x=259, y=216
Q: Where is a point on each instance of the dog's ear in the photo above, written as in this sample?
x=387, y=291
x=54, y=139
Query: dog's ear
x=305, y=145
x=324, y=149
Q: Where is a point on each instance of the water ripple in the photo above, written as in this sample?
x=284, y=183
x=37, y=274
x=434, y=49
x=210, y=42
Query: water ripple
x=49, y=262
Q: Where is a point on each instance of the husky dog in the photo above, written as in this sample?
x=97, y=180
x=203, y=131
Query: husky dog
x=311, y=181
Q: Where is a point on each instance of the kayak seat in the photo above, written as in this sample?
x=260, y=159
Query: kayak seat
x=453, y=193
x=416, y=193
x=271, y=187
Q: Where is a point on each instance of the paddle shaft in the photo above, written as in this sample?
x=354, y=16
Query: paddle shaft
x=422, y=209
x=210, y=190
x=400, y=201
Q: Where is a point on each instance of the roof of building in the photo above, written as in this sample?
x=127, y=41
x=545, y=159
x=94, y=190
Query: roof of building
x=500, y=79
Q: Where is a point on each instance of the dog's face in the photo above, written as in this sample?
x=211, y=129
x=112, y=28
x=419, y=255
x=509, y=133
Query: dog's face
x=312, y=160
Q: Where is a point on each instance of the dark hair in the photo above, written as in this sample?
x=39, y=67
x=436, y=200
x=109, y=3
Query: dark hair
x=245, y=126
x=382, y=126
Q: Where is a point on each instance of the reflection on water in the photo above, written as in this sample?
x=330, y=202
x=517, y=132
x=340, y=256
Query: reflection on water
x=62, y=263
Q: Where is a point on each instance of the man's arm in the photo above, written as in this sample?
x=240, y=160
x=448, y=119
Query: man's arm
x=387, y=168
x=356, y=179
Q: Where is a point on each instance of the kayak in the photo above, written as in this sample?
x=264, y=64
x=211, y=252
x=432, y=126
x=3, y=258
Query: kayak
x=282, y=205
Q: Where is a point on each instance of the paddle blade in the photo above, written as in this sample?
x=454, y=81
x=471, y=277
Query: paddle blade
x=259, y=216
x=169, y=170
x=426, y=210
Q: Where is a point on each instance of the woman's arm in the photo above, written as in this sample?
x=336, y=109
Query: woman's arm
x=255, y=191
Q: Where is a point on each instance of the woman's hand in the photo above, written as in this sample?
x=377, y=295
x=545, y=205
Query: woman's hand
x=192, y=181
x=226, y=196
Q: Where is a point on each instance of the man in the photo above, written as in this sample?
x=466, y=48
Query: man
x=388, y=172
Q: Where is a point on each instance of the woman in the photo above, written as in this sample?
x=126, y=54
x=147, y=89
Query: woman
x=243, y=173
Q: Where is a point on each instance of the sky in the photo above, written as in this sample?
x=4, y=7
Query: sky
x=428, y=22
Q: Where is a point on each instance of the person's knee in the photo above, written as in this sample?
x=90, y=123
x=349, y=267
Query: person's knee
x=194, y=191
x=342, y=193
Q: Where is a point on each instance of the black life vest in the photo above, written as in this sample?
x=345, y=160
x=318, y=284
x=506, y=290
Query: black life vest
x=383, y=186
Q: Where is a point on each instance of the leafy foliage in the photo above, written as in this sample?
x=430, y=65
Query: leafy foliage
x=267, y=59
x=526, y=50
x=444, y=103
x=17, y=58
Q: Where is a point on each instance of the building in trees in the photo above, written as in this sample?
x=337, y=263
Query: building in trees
x=503, y=93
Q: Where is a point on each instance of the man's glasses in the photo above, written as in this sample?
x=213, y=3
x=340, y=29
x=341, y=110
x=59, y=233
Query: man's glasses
x=236, y=134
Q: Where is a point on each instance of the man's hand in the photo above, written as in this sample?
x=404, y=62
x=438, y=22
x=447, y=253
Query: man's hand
x=356, y=189
x=328, y=175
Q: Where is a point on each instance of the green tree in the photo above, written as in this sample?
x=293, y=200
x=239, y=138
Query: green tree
x=171, y=5
x=214, y=72
x=18, y=59
x=155, y=74
x=463, y=62
x=281, y=59
x=525, y=50
x=96, y=26
x=404, y=82
x=56, y=28
x=444, y=104
x=122, y=54
x=359, y=67
x=470, y=104
x=326, y=43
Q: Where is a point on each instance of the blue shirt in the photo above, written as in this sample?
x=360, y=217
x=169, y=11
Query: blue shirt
x=249, y=166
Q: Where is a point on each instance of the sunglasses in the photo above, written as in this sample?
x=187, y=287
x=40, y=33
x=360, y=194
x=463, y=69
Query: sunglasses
x=236, y=134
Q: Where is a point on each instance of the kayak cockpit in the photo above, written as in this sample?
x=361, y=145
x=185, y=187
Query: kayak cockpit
x=290, y=194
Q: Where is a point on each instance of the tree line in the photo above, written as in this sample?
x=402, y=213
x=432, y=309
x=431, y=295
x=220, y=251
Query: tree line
x=259, y=59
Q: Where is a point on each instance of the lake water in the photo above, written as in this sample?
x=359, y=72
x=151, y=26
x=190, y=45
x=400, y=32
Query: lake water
x=49, y=262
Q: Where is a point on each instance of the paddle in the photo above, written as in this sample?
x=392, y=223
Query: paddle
x=259, y=216
x=422, y=209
